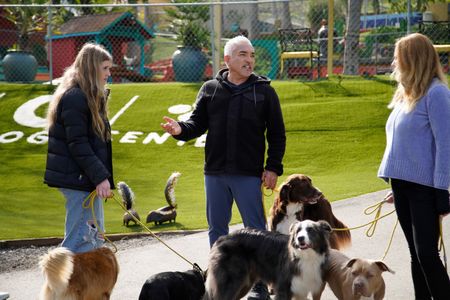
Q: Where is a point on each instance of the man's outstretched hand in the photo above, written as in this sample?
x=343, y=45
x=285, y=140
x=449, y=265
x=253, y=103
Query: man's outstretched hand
x=171, y=126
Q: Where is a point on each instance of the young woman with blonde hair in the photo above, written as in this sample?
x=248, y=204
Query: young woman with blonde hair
x=79, y=146
x=417, y=159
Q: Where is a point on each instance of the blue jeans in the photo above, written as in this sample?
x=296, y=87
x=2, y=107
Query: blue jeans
x=415, y=205
x=220, y=192
x=81, y=234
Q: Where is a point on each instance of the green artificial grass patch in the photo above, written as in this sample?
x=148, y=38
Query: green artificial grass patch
x=335, y=134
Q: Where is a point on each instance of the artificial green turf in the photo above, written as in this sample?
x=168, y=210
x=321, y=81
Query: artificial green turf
x=335, y=134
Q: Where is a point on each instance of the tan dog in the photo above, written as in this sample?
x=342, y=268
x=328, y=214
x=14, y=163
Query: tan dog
x=84, y=276
x=356, y=278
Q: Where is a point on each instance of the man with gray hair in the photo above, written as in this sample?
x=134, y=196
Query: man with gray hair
x=240, y=111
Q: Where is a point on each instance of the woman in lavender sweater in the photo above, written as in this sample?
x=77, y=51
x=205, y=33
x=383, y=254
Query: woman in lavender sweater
x=417, y=159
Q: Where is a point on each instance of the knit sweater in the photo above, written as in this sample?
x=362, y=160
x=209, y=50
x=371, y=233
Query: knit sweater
x=418, y=142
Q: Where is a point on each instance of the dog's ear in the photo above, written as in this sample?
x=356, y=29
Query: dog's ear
x=351, y=262
x=284, y=192
x=204, y=274
x=383, y=267
x=292, y=227
x=325, y=226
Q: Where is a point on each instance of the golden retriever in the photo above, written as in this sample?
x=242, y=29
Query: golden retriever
x=78, y=276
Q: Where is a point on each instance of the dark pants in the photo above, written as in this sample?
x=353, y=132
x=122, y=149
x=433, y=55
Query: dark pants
x=416, y=210
x=221, y=190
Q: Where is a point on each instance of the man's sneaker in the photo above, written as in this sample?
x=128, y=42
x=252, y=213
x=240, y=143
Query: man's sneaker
x=4, y=295
x=259, y=292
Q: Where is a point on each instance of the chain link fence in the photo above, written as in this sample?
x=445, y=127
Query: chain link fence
x=183, y=40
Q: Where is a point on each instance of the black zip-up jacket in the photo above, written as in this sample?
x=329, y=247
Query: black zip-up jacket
x=77, y=158
x=238, y=119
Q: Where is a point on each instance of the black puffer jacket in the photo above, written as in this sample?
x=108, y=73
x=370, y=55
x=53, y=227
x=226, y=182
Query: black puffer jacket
x=238, y=121
x=77, y=158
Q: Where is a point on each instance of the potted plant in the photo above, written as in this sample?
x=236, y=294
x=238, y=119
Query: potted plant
x=188, y=22
x=19, y=64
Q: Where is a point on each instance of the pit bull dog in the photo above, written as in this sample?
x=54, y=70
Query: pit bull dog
x=356, y=278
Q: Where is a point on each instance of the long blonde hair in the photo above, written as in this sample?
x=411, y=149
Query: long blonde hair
x=84, y=73
x=416, y=63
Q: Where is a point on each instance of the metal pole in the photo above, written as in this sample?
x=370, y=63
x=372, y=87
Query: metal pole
x=217, y=37
x=49, y=44
x=330, y=38
x=365, y=14
x=408, y=18
x=212, y=36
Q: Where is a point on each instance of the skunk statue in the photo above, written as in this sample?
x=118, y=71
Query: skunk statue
x=128, y=201
x=169, y=212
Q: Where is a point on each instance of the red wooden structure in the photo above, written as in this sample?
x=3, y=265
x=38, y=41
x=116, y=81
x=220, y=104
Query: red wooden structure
x=115, y=31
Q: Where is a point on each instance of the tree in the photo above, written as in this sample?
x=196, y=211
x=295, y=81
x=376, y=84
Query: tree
x=27, y=20
x=376, y=6
x=188, y=22
x=398, y=6
x=318, y=10
x=351, y=55
x=418, y=5
x=86, y=10
x=63, y=15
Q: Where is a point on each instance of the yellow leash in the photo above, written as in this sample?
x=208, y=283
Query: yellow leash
x=373, y=224
x=263, y=204
x=390, y=240
x=194, y=265
x=371, y=230
x=90, y=204
x=266, y=195
x=375, y=208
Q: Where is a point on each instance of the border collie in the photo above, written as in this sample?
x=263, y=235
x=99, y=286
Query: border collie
x=293, y=264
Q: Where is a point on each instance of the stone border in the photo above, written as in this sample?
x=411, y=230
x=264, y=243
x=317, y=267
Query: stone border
x=51, y=241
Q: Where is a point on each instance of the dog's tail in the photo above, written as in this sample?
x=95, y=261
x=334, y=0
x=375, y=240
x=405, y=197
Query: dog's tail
x=169, y=191
x=57, y=267
x=127, y=194
x=343, y=236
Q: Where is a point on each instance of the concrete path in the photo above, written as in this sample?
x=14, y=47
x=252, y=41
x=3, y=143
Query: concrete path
x=137, y=264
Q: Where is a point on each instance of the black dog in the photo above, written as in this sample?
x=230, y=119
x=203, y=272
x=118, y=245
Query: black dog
x=189, y=285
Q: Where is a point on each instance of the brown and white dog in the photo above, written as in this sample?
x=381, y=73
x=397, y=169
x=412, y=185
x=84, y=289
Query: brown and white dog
x=81, y=276
x=299, y=200
x=356, y=278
